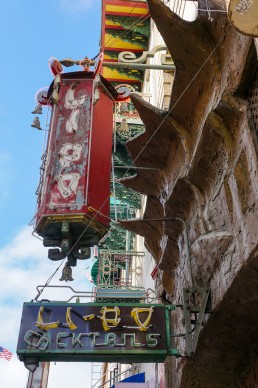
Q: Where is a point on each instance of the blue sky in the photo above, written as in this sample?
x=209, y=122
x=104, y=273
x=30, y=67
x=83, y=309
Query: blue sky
x=31, y=32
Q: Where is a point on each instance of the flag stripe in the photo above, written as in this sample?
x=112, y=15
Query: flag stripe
x=4, y=353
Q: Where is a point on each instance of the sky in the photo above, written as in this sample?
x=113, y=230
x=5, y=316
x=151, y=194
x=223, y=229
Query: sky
x=31, y=32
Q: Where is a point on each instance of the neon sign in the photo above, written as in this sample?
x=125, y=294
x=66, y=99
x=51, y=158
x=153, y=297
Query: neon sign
x=93, y=331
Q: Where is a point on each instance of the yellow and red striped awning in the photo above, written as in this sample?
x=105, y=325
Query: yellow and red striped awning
x=125, y=27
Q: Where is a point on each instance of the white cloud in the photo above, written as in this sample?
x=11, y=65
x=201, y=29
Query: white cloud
x=13, y=374
x=24, y=265
x=76, y=6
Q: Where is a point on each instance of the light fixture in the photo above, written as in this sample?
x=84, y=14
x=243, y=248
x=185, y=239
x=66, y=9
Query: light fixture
x=36, y=123
x=124, y=126
x=66, y=273
x=123, y=108
x=37, y=110
x=31, y=364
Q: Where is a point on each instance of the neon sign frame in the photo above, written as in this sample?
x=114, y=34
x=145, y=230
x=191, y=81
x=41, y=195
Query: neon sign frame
x=116, y=332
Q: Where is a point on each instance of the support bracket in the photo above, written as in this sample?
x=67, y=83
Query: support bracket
x=196, y=303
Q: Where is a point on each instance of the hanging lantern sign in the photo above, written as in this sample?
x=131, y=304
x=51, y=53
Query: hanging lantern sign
x=243, y=14
x=73, y=194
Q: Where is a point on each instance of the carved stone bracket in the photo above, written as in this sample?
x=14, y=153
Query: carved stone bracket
x=128, y=56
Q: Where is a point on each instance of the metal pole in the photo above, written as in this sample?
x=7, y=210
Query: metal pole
x=114, y=129
x=114, y=187
x=138, y=168
x=137, y=66
x=122, y=65
x=127, y=247
x=39, y=378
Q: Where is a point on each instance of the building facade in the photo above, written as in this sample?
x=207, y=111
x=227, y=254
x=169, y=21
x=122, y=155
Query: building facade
x=200, y=216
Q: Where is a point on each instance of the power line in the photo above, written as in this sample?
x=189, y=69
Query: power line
x=131, y=166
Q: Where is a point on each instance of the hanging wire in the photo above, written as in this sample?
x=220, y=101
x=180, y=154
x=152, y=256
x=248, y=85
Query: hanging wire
x=176, y=102
x=96, y=56
x=127, y=31
x=208, y=10
x=135, y=159
x=114, y=187
x=196, y=5
x=212, y=10
x=184, y=8
x=48, y=281
x=130, y=29
x=144, y=17
x=154, y=133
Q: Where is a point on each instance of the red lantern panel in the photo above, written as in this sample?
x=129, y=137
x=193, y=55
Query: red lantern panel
x=75, y=188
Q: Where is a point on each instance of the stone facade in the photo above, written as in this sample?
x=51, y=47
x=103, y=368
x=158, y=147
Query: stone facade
x=200, y=219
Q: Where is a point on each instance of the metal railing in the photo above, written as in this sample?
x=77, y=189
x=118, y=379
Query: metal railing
x=89, y=295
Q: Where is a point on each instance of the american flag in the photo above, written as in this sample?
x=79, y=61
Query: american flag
x=4, y=353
